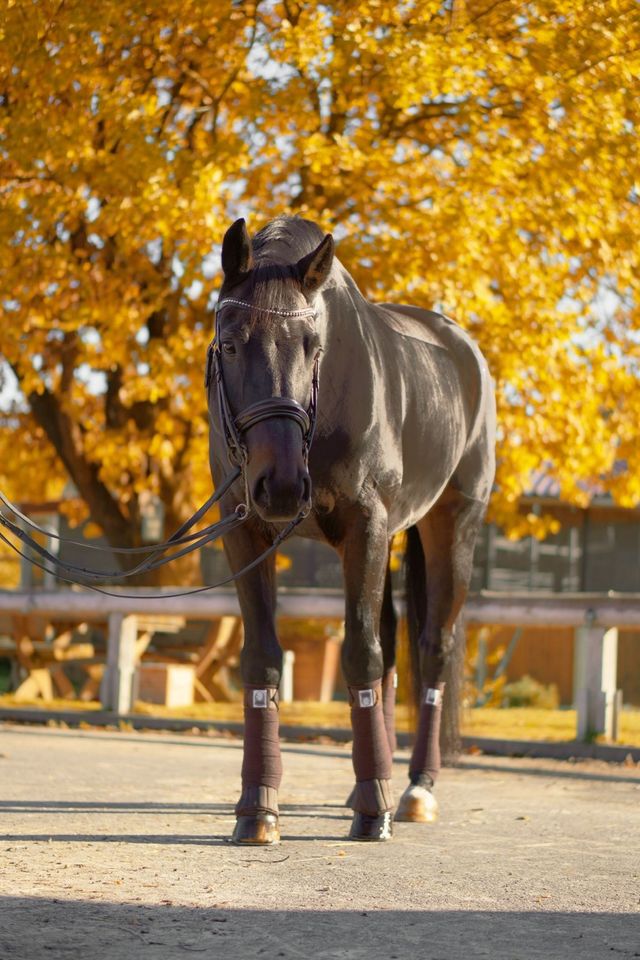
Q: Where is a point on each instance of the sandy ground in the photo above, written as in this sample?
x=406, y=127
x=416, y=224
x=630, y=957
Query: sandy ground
x=115, y=845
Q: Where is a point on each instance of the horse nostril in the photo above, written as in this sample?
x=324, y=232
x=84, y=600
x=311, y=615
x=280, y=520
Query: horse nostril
x=306, y=488
x=279, y=497
x=260, y=492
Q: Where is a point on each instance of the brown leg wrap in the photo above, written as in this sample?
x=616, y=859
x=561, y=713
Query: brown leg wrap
x=371, y=753
x=389, y=707
x=261, y=762
x=425, y=759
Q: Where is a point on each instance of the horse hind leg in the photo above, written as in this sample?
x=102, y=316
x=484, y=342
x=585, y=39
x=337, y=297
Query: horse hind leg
x=388, y=630
x=447, y=536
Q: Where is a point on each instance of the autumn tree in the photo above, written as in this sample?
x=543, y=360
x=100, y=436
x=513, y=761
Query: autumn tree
x=480, y=157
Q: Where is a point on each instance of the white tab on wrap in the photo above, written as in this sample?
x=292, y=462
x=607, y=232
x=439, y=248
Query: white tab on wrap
x=260, y=698
x=432, y=697
x=366, y=698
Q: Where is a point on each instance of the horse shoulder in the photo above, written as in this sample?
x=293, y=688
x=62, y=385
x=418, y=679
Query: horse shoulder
x=474, y=377
x=436, y=329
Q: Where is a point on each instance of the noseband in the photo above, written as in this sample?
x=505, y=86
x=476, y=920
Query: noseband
x=283, y=407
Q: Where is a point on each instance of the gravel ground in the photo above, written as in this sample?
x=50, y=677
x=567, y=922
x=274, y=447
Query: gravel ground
x=115, y=845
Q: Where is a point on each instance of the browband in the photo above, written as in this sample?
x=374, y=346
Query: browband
x=229, y=301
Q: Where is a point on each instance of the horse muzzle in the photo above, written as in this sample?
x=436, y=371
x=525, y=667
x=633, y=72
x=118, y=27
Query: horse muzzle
x=281, y=494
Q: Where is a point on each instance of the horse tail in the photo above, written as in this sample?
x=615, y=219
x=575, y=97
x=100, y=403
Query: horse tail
x=416, y=612
x=415, y=585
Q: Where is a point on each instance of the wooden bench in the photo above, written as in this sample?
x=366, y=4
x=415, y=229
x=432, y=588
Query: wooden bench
x=162, y=644
x=42, y=647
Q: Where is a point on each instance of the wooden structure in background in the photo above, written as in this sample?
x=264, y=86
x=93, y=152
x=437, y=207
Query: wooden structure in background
x=595, y=619
x=171, y=684
x=591, y=615
x=42, y=645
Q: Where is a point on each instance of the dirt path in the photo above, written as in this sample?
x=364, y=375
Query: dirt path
x=115, y=846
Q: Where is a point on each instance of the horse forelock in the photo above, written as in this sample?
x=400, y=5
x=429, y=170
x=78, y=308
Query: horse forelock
x=286, y=239
x=271, y=287
x=274, y=283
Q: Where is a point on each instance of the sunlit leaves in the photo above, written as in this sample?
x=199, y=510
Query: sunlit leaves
x=481, y=157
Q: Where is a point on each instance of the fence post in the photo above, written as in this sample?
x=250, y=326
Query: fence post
x=116, y=690
x=286, y=679
x=594, y=682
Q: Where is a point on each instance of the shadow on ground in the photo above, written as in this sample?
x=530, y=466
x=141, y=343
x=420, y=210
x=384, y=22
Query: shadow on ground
x=147, y=806
x=561, y=771
x=36, y=928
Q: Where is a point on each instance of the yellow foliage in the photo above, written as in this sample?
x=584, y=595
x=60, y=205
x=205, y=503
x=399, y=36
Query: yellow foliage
x=479, y=157
x=528, y=692
x=478, y=640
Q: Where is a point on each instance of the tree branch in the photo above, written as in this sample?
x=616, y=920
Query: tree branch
x=65, y=437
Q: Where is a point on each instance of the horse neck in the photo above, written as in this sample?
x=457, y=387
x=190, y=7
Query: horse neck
x=348, y=335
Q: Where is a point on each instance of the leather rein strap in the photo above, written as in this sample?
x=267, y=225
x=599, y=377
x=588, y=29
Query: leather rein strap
x=158, y=554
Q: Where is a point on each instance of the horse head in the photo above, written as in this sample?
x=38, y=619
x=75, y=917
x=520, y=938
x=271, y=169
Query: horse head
x=269, y=340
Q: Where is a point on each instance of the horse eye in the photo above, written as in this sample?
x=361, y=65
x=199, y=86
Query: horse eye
x=229, y=347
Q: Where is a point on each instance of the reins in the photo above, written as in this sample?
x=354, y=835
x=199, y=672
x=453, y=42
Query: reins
x=158, y=555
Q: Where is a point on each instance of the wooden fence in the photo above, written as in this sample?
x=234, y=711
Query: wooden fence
x=595, y=618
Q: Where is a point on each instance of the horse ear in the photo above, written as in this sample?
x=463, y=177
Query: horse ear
x=237, y=258
x=314, y=269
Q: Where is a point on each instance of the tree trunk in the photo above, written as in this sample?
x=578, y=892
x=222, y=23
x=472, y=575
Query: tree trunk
x=119, y=529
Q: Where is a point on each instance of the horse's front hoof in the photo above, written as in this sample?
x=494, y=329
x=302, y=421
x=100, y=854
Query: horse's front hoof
x=259, y=830
x=372, y=829
x=417, y=805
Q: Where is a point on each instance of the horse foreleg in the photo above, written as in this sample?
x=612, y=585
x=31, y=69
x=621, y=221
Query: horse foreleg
x=365, y=552
x=388, y=626
x=261, y=666
x=447, y=534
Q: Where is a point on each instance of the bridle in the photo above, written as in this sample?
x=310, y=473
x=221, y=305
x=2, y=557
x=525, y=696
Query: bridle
x=234, y=428
x=271, y=407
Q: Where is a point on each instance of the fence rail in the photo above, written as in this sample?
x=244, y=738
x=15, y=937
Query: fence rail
x=524, y=609
x=596, y=618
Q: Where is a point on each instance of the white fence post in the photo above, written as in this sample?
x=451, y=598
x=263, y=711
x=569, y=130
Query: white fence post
x=286, y=680
x=594, y=682
x=116, y=690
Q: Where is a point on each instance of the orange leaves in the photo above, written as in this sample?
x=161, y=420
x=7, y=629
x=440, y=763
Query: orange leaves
x=467, y=157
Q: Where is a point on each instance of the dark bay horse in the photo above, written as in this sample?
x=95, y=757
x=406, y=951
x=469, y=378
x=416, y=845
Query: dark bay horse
x=358, y=420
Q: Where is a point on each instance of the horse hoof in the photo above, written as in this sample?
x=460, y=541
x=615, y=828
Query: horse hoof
x=374, y=829
x=260, y=830
x=417, y=805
